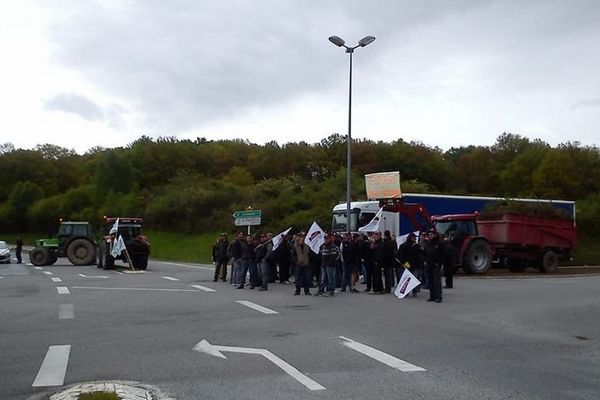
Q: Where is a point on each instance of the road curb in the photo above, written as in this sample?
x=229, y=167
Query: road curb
x=126, y=390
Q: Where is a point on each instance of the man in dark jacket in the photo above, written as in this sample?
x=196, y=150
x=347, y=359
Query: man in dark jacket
x=410, y=255
x=248, y=264
x=378, y=262
x=235, y=252
x=330, y=254
x=389, y=256
x=434, y=258
x=19, y=249
x=221, y=257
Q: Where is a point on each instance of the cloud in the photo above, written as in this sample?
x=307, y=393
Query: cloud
x=75, y=104
x=594, y=102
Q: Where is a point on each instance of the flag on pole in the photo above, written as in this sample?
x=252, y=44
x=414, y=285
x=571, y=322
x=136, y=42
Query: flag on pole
x=407, y=283
x=277, y=239
x=315, y=237
x=118, y=247
x=374, y=225
x=115, y=228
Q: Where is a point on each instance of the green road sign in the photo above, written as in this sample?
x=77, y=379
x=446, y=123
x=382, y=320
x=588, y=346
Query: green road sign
x=247, y=214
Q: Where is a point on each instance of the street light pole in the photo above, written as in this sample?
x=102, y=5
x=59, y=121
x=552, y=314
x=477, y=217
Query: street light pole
x=336, y=40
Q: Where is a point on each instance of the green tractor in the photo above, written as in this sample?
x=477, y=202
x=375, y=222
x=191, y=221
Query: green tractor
x=74, y=240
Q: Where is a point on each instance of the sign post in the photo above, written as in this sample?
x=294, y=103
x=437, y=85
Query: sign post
x=247, y=218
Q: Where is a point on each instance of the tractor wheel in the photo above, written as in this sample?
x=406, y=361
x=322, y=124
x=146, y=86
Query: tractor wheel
x=81, y=252
x=39, y=256
x=52, y=259
x=549, y=262
x=478, y=257
x=515, y=264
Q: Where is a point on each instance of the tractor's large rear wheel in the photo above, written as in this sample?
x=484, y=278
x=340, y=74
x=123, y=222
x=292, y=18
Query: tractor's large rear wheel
x=478, y=257
x=81, y=252
x=39, y=256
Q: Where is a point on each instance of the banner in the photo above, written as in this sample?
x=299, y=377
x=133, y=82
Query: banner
x=374, y=225
x=315, y=237
x=407, y=283
x=277, y=239
x=383, y=185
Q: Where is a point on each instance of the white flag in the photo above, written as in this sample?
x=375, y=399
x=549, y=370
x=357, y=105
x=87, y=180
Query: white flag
x=118, y=247
x=407, y=283
x=115, y=228
x=315, y=237
x=374, y=225
x=279, y=238
x=401, y=239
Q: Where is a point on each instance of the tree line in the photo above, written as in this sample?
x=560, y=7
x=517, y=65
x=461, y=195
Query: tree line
x=193, y=186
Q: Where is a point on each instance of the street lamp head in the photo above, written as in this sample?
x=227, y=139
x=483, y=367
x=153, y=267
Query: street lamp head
x=367, y=40
x=338, y=41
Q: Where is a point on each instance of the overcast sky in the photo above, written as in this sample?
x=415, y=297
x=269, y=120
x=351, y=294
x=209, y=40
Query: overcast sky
x=447, y=73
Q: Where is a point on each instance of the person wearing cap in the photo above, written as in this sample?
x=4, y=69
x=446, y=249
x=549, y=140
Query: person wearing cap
x=434, y=258
x=302, y=271
x=221, y=257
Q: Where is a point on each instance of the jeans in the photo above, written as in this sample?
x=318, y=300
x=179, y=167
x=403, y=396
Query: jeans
x=327, y=278
x=221, y=270
x=248, y=265
x=347, y=269
x=265, y=272
x=303, y=277
x=236, y=266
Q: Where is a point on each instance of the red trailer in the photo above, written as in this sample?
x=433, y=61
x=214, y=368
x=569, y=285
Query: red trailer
x=522, y=240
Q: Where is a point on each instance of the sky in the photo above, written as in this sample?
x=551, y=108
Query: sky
x=80, y=74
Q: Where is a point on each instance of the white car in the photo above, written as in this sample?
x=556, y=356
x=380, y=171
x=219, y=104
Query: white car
x=4, y=253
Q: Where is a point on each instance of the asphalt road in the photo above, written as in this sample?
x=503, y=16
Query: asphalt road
x=490, y=339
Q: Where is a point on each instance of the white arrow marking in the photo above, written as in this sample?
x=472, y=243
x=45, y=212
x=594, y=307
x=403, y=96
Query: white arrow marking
x=170, y=279
x=203, y=288
x=380, y=356
x=256, y=307
x=93, y=276
x=205, y=347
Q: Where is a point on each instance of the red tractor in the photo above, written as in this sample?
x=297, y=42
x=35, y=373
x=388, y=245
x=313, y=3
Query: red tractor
x=137, y=247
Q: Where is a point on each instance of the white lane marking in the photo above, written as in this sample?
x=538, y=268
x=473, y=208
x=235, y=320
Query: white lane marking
x=66, y=311
x=170, y=279
x=93, y=276
x=54, y=367
x=56, y=279
x=185, y=265
x=256, y=307
x=203, y=288
x=205, y=347
x=135, y=289
x=380, y=356
x=29, y=264
x=63, y=290
x=37, y=268
x=117, y=272
x=48, y=273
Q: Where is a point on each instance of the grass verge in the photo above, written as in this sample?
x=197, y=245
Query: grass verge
x=99, y=396
x=182, y=247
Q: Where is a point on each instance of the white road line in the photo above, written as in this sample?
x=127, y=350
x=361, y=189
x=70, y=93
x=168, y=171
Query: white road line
x=117, y=272
x=48, y=273
x=54, y=367
x=380, y=356
x=256, y=307
x=170, y=279
x=56, y=279
x=93, y=276
x=37, y=268
x=66, y=311
x=29, y=264
x=63, y=290
x=135, y=289
x=203, y=288
x=185, y=265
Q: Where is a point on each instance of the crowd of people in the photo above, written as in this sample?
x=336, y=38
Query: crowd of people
x=344, y=260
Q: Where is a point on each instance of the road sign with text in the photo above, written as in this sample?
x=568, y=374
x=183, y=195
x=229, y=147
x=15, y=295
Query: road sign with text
x=247, y=214
x=247, y=221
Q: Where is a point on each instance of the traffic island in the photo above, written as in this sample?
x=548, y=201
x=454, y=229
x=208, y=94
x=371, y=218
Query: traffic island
x=105, y=390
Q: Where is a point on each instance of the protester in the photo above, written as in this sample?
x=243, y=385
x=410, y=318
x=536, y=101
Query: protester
x=389, y=256
x=410, y=255
x=221, y=257
x=377, y=247
x=349, y=256
x=366, y=252
x=283, y=257
x=263, y=253
x=434, y=257
x=330, y=254
x=235, y=252
x=19, y=249
x=248, y=264
x=302, y=270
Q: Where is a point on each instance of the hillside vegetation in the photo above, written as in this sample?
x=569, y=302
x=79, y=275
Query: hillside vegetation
x=184, y=187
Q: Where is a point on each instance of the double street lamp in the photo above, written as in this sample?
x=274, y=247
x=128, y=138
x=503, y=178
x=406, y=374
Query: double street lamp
x=338, y=41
